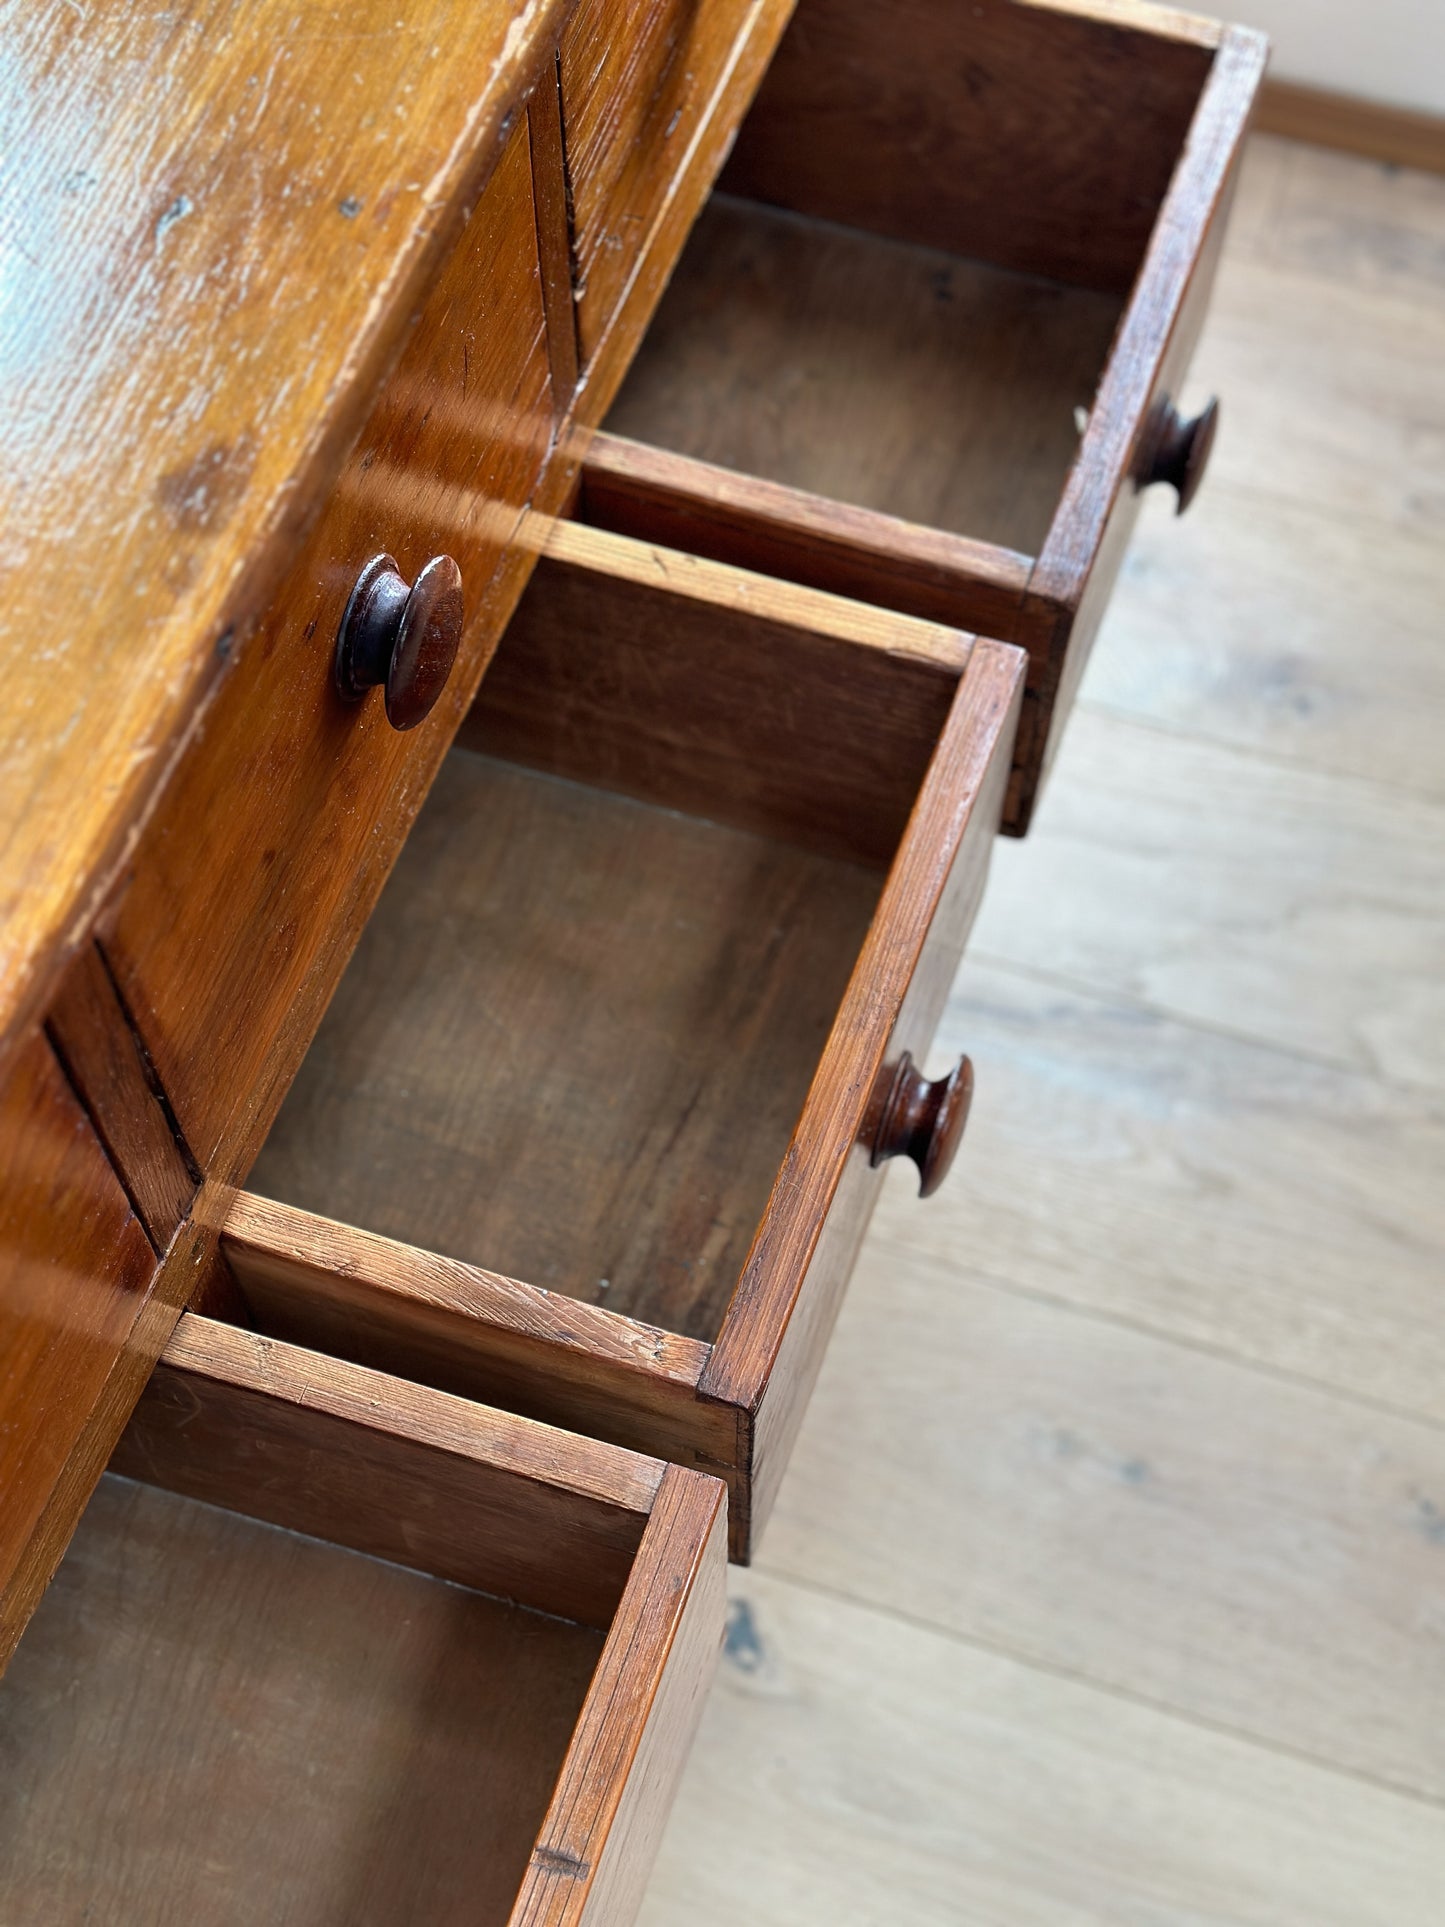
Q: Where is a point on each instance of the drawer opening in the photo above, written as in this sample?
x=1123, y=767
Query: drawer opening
x=321, y=1648
x=576, y=1036
x=904, y=295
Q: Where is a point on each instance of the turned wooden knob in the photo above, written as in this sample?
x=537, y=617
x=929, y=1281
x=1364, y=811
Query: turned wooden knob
x=1177, y=451
x=924, y=1121
x=406, y=638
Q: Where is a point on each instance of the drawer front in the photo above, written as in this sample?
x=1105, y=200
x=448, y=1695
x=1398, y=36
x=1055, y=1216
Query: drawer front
x=770, y=1351
x=1143, y=386
x=75, y=1265
x=637, y=78
x=274, y=835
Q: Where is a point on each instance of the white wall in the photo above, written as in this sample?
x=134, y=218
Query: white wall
x=1390, y=50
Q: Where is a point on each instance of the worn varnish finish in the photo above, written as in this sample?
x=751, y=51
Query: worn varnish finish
x=828, y=356
x=471, y=1072
x=636, y=81
x=75, y=1264
x=311, y=795
x=1071, y=585
x=110, y=1069
x=578, y=1699
x=188, y=193
x=657, y=495
x=231, y=1006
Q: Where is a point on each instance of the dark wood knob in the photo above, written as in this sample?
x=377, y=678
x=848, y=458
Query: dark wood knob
x=1177, y=451
x=924, y=1121
x=404, y=637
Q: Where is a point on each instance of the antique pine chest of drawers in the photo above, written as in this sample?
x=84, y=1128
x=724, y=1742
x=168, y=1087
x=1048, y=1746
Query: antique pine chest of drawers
x=545, y=539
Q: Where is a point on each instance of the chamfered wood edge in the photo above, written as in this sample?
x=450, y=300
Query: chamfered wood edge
x=598, y=1841
x=1103, y=466
x=654, y=494
x=1375, y=129
x=398, y=1408
x=725, y=586
x=261, y=1232
x=222, y=628
x=845, y=1086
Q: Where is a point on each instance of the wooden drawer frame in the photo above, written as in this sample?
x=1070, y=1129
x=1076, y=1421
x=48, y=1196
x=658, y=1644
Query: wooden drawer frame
x=565, y=1527
x=818, y=141
x=732, y=1406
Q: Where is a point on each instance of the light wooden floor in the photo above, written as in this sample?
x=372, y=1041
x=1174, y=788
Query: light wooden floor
x=1108, y=1583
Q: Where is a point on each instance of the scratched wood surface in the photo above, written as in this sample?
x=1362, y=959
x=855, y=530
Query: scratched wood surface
x=1131, y=1609
x=159, y=236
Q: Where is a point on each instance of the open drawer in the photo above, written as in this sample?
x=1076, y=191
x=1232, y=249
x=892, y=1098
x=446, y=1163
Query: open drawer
x=592, y=1127
x=464, y=1695
x=929, y=340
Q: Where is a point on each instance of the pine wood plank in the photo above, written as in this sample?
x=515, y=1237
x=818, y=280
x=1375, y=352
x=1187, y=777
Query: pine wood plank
x=637, y=82
x=863, y=127
x=656, y=495
x=1345, y=403
x=75, y=1270
x=1290, y=907
x=1252, y=1553
x=1271, y=625
x=154, y=254
x=1280, y=1210
x=1381, y=229
x=880, y=1771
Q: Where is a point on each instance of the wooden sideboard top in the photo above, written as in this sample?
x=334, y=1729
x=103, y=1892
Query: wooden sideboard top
x=215, y=223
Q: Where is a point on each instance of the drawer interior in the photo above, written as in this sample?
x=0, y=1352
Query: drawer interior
x=577, y=1033
x=203, y=1702
x=354, y=1705
x=905, y=293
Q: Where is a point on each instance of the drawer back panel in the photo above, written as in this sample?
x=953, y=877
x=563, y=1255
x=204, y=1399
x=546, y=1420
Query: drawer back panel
x=1039, y=138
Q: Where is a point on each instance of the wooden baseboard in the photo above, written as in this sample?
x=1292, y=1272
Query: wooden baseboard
x=1396, y=134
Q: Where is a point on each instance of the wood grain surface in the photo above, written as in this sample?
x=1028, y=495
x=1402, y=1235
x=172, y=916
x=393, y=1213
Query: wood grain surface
x=778, y=1325
x=656, y=495
x=345, y=1291
x=110, y=1069
x=708, y=689
x=1232, y=1194
x=1331, y=952
x=479, y=1497
x=888, y=375
x=215, y=1721
x=75, y=1265
x=573, y=1042
x=859, y=122
x=226, y=940
x=1213, y=1539
x=601, y=1833
x=191, y=191
x=879, y=1768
